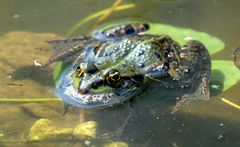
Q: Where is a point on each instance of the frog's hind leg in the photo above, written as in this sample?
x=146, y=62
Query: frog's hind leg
x=121, y=31
x=195, y=59
x=196, y=66
x=68, y=49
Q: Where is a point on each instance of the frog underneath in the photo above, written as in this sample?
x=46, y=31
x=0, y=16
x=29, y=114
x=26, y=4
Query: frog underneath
x=115, y=65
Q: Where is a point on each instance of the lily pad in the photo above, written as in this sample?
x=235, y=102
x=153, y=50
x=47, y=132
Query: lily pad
x=60, y=66
x=230, y=74
x=57, y=70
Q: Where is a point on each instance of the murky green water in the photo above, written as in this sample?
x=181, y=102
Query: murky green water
x=205, y=123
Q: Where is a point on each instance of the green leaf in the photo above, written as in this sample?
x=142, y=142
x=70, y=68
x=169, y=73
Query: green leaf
x=57, y=70
x=224, y=71
x=59, y=67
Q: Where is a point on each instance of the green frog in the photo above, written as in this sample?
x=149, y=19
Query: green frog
x=115, y=65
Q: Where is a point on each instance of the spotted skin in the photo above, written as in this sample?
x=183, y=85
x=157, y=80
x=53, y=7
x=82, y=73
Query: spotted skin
x=121, y=31
x=108, y=71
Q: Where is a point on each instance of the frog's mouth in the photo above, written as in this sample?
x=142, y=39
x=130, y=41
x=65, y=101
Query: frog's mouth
x=71, y=96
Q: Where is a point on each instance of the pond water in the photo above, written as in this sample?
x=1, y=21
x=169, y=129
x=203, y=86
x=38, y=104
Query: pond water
x=25, y=26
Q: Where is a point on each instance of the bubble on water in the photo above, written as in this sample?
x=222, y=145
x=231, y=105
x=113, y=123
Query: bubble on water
x=16, y=16
x=220, y=137
x=221, y=124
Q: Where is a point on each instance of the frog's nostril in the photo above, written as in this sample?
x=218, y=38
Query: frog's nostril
x=83, y=91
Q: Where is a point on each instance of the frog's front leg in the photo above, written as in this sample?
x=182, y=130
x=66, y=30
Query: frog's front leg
x=120, y=31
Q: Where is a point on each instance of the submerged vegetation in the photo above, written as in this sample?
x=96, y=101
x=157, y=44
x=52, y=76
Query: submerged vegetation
x=102, y=16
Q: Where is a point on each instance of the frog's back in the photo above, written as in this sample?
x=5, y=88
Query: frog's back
x=135, y=53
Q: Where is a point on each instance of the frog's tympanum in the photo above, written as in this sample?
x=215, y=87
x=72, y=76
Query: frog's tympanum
x=115, y=65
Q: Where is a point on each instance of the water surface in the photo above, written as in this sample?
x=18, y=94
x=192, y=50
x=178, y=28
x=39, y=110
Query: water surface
x=205, y=123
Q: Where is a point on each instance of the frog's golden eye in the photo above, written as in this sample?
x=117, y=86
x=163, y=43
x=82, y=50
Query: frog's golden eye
x=113, y=78
x=79, y=71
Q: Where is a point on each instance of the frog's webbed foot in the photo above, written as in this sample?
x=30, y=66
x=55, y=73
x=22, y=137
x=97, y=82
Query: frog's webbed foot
x=121, y=31
x=195, y=66
x=201, y=92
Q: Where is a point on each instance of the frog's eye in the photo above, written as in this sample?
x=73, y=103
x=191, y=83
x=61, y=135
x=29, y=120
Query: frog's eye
x=113, y=78
x=79, y=71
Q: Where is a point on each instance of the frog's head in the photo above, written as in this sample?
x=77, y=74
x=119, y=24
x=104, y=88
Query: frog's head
x=88, y=87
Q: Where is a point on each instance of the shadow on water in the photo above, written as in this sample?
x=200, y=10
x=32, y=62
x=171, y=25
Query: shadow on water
x=148, y=126
x=42, y=75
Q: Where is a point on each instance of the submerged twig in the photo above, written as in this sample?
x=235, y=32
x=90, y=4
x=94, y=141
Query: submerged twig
x=29, y=99
x=97, y=14
x=106, y=14
x=81, y=116
x=230, y=103
x=14, y=84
